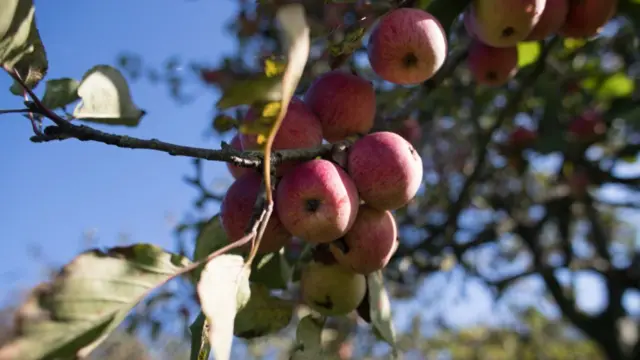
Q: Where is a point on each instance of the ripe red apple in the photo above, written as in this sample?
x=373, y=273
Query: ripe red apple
x=522, y=138
x=236, y=211
x=317, y=201
x=588, y=126
x=493, y=66
x=370, y=242
x=236, y=171
x=585, y=18
x=407, y=46
x=299, y=129
x=504, y=23
x=552, y=19
x=345, y=104
x=386, y=169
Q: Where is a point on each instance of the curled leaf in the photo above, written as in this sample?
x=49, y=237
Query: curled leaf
x=87, y=300
x=106, y=98
x=60, y=92
x=223, y=289
x=21, y=48
x=380, y=308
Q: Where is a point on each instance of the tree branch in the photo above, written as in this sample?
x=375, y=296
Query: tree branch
x=450, y=225
x=249, y=159
x=15, y=111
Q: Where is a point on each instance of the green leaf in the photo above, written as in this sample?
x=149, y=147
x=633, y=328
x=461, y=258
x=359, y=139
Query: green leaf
x=571, y=44
x=309, y=331
x=60, y=92
x=223, y=289
x=528, y=53
x=33, y=66
x=210, y=238
x=20, y=44
x=106, y=98
x=87, y=300
x=258, y=87
x=630, y=9
x=200, y=347
x=272, y=270
x=380, y=308
x=264, y=314
x=615, y=86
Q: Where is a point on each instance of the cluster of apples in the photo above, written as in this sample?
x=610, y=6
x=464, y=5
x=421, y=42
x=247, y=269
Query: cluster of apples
x=343, y=209
x=497, y=26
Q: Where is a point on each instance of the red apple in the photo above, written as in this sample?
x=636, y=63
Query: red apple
x=345, y=104
x=407, y=46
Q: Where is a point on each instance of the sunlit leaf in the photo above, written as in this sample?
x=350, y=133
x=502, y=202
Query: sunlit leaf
x=309, y=338
x=210, y=238
x=380, y=308
x=20, y=45
x=60, y=92
x=223, y=289
x=87, y=300
x=259, y=87
x=528, y=53
x=106, y=98
x=264, y=314
x=571, y=44
x=272, y=270
x=295, y=36
x=615, y=86
x=33, y=66
x=273, y=67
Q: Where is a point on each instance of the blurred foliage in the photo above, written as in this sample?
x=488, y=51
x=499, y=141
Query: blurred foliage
x=491, y=213
x=494, y=211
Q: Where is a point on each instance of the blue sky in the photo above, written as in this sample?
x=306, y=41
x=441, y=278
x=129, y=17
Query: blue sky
x=50, y=194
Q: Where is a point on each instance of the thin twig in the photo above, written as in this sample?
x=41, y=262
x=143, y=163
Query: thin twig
x=38, y=104
x=15, y=111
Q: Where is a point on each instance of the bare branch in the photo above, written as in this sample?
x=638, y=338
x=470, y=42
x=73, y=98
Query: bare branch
x=249, y=159
x=15, y=111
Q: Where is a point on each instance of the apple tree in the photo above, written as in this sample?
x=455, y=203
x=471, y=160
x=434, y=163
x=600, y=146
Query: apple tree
x=374, y=145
